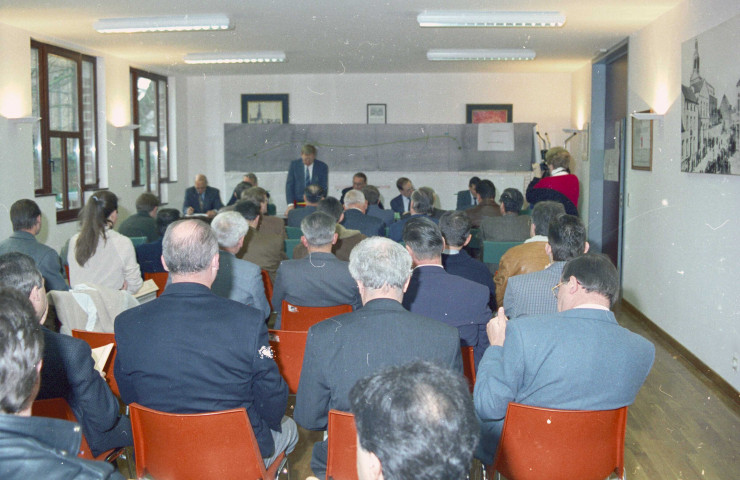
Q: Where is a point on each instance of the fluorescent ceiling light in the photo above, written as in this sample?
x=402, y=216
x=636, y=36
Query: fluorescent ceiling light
x=170, y=23
x=442, y=54
x=452, y=18
x=235, y=57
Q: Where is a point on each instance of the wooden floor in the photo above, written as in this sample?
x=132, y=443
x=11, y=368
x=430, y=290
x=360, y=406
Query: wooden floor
x=680, y=427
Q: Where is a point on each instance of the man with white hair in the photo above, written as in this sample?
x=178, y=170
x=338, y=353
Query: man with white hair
x=191, y=351
x=343, y=349
x=237, y=279
x=355, y=207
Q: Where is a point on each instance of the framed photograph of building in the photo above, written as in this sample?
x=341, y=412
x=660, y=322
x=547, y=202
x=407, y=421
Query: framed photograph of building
x=482, y=113
x=642, y=144
x=376, y=113
x=265, y=108
x=710, y=88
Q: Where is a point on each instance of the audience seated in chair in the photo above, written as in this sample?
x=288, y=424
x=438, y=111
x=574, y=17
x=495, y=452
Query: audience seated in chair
x=487, y=206
x=149, y=255
x=346, y=238
x=510, y=226
x=259, y=247
x=311, y=196
x=143, y=223
x=355, y=217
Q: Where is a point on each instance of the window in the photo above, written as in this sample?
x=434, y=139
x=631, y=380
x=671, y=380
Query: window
x=65, y=158
x=151, y=158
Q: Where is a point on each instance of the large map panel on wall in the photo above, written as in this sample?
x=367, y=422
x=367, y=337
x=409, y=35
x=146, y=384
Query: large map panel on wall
x=359, y=147
x=710, y=101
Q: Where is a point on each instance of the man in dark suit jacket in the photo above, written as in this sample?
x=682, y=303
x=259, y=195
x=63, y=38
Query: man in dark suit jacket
x=375, y=208
x=578, y=359
x=468, y=198
x=25, y=216
x=421, y=207
x=201, y=198
x=149, y=255
x=402, y=202
x=303, y=172
x=434, y=293
x=343, y=349
x=455, y=227
x=191, y=351
x=312, y=196
x=142, y=223
x=68, y=368
x=319, y=279
x=355, y=218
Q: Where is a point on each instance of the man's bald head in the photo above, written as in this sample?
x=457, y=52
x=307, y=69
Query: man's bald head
x=201, y=182
x=189, y=247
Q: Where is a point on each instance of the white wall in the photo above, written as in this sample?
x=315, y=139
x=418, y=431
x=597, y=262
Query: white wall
x=206, y=103
x=681, y=258
x=16, y=156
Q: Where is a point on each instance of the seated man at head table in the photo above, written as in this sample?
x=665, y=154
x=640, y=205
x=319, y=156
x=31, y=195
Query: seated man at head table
x=68, y=369
x=319, y=279
x=191, y=351
x=402, y=202
x=201, y=199
x=420, y=397
x=577, y=359
x=343, y=349
x=33, y=447
x=468, y=198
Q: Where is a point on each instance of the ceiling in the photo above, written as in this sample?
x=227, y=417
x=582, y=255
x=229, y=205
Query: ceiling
x=336, y=36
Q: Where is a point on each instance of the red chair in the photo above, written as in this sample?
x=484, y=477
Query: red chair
x=298, y=318
x=59, y=408
x=468, y=360
x=288, y=348
x=541, y=443
x=341, y=461
x=268, y=286
x=195, y=446
x=98, y=339
x=160, y=278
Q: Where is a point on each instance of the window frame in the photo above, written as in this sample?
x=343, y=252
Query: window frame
x=136, y=179
x=66, y=214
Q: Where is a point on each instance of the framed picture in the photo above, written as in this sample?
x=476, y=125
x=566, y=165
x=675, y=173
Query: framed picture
x=269, y=108
x=642, y=144
x=376, y=113
x=477, y=113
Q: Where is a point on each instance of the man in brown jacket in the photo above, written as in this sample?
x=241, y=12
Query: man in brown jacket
x=531, y=255
x=487, y=206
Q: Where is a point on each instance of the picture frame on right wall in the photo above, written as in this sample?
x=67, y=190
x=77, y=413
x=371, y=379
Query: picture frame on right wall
x=642, y=144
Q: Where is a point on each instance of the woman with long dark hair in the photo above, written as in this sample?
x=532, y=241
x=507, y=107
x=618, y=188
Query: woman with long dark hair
x=99, y=254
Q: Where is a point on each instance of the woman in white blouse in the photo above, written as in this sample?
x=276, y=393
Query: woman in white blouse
x=99, y=254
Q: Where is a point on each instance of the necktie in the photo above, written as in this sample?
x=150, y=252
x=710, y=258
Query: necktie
x=308, y=177
x=200, y=201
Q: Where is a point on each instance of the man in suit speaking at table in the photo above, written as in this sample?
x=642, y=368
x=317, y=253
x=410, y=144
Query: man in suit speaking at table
x=303, y=172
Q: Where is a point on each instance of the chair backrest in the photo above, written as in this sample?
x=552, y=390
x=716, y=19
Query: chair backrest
x=138, y=241
x=493, y=251
x=195, y=446
x=290, y=244
x=541, y=443
x=293, y=232
x=468, y=359
x=288, y=348
x=299, y=318
x=98, y=339
x=341, y=460
x=475, y=238
x=59, y=408
x=160, y=278
x=267, y=281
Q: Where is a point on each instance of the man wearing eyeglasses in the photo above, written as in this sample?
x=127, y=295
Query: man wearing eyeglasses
x=530, y=294
x=577, y=359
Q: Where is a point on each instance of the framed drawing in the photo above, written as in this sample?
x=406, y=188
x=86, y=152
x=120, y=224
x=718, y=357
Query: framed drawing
x=376, y=113
x=482, y=113
x=642, y=144
x=268, y=108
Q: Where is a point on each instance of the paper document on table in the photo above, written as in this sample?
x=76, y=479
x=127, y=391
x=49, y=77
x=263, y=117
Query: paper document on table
x=497, y=137
x=100, y=356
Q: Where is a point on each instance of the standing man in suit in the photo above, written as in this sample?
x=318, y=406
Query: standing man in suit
x=510, y=226
x=201, y=198
x=468, y=198
x=402, y=202
x=191, y=351
x=25, y=216
x=237, y=279
x=374, y=208
x=455, y=227
x=305, y=171
x=434, y=293
x=355, y=218
x=68, y=369
x=577, y=359
x=319, y=279
x=531, y=293
x=262, y=248
x=346, y=348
